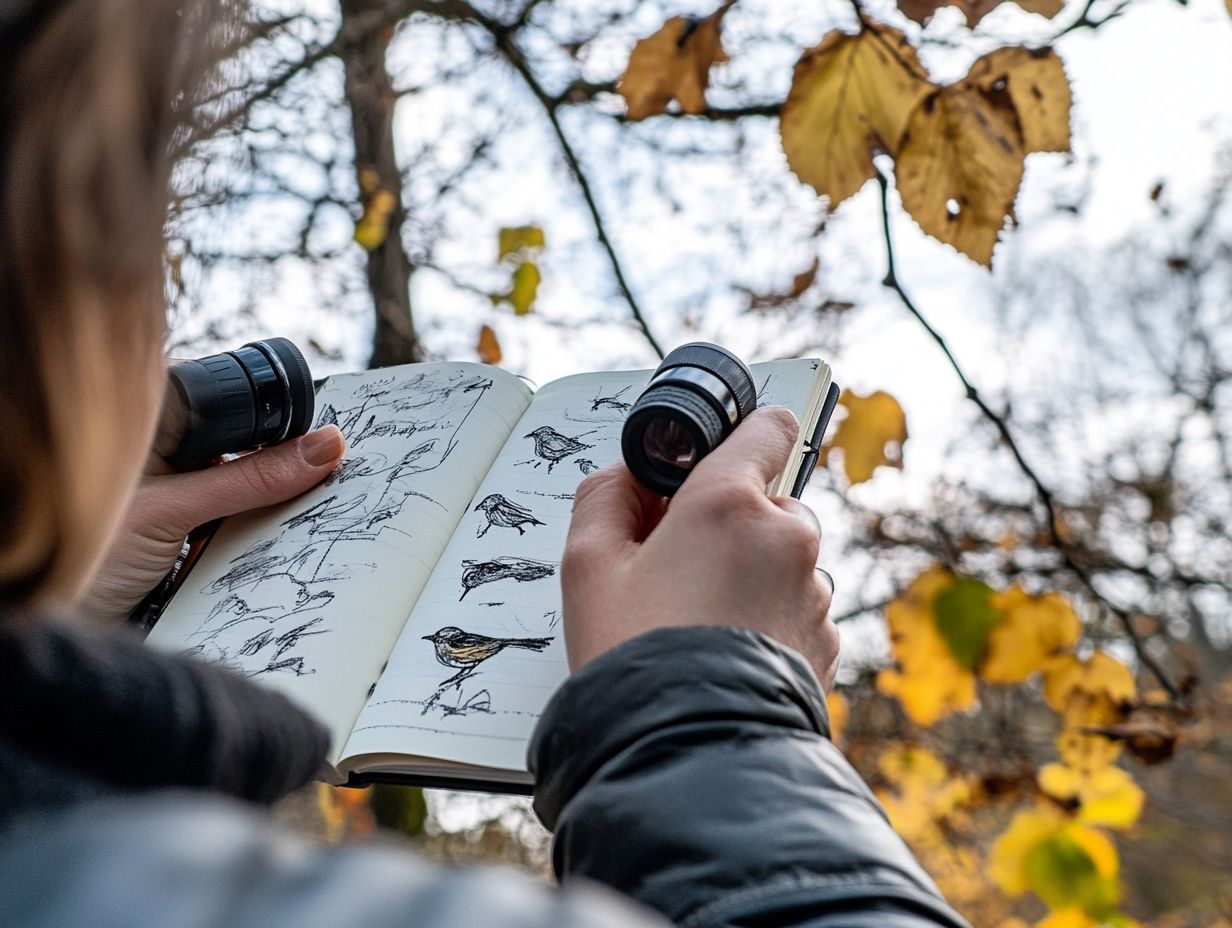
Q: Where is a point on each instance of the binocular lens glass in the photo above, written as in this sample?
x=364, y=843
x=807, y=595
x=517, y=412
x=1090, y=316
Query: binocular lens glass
x=668, y=445
x=695, y=398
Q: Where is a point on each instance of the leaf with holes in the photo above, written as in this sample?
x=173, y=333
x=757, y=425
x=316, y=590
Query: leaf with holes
x=673, y=64
x=959, y=167
x=1036, y=82
x=851, y=96
x=871, y=435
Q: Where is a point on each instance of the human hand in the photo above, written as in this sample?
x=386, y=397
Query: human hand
x=166, y=507
x=722, y=553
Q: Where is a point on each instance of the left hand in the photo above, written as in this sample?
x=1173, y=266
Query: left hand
x=167, y=507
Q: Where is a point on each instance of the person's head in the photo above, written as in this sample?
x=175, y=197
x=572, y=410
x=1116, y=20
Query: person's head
x=89, y=91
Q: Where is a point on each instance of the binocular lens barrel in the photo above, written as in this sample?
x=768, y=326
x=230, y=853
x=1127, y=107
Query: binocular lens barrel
x=695, y=398
x=257, y=395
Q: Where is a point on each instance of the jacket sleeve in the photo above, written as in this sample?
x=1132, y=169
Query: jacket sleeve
x=691, y=769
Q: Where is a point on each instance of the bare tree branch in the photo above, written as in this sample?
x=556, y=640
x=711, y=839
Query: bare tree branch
x=1052, y=509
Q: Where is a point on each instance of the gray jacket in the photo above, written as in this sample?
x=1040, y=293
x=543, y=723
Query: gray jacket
x=687, y=774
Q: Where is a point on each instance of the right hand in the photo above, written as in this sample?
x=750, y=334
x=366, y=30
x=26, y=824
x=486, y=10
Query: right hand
x=722, y=553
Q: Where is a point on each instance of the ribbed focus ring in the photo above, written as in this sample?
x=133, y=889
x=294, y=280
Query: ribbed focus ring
x=678, y=399
x=724, y=365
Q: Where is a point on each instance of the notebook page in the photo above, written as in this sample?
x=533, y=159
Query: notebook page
x=308, y=597
x=484, y=648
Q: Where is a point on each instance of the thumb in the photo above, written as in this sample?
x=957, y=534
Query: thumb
x=263, y=478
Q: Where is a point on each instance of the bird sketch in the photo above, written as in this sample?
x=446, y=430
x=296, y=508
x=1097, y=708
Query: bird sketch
x=611, y=402
x=465, y=652
x=477, y=573
x=553, y=446
x=762, y=393
x=504, y=513
x=273, y=595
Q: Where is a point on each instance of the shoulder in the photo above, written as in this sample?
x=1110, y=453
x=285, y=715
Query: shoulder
x=183, y=860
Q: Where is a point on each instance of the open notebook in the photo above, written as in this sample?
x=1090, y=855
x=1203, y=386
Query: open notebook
x=412, y=601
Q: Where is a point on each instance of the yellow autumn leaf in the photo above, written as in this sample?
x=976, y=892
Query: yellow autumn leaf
x=927, y=680
x=959, y=168
x=525, y=286
x=850, y=97
x=1085, y=693
x=1107, y=796
x=1068, y=918
x=520, y=240
x=1032, y=629
x=673, y=64
x=1066, y=863
x=1099, y=674
x=871, y=435
x=1036, y=83
x=488, y=346
x=839, y=710
x=925, y=793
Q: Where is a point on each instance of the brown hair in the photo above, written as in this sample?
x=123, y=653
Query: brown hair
x=89, y=91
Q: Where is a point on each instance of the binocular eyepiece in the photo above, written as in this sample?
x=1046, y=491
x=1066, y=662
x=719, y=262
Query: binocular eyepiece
x=694, y=400
x=239, y=400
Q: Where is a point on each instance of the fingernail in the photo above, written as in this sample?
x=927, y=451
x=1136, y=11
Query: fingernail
x=825, y=575
x=322, y=446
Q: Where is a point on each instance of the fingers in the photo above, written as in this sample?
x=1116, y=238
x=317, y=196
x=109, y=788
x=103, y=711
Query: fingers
x=793, y=506
x=610, y=509
x=263, y=478
x=757, y=451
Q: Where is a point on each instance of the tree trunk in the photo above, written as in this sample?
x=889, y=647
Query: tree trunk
x=370, y=95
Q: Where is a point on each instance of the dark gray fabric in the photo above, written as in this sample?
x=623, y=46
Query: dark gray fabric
x=85, y=715
x=713, y=795
x=184, y=860
x=687, y=769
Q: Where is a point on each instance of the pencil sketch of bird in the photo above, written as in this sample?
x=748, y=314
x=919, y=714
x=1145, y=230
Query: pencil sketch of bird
x=521, y=569
x=504, y=513
x=464, y=651
x=553, y=447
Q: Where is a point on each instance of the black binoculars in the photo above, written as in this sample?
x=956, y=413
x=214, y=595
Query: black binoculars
x=235, y=401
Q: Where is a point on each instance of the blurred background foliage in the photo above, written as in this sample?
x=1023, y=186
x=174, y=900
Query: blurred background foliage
x=1008, y=226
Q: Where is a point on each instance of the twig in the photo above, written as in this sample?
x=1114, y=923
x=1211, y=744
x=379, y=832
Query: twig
x=503, y=37
x=1046, y=497
x=507, y=46
x=1084, y=20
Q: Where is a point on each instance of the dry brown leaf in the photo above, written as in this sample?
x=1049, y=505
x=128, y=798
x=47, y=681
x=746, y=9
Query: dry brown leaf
x=1038, y=87
x=921, y=11
x=488, y=347
x=959, y=167
x=673, y=64
x=804, y=279
x=852, y=95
